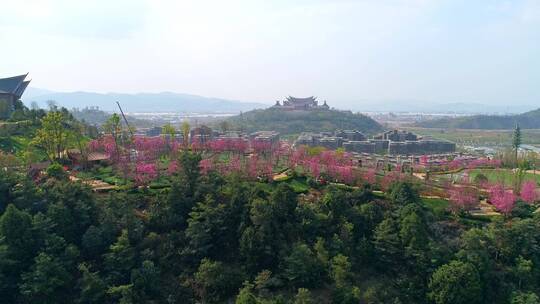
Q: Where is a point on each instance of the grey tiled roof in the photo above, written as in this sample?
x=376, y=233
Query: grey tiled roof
x=21, y=88
x=14, y=85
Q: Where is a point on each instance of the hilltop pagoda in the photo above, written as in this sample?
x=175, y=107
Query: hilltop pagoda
x=305, y=104
x=11, y=91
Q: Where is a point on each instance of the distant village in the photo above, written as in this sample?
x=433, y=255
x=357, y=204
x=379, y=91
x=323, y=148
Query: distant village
x=393, y=142
x=395, y=147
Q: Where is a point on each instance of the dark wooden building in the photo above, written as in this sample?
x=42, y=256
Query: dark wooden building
x=11, y=90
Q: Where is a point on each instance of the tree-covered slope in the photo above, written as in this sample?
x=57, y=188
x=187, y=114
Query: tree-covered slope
x=289, y=122
x=528, y=120
x=214, y=238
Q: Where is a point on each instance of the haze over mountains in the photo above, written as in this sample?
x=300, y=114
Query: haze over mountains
x=140, y=102
x=181, y=102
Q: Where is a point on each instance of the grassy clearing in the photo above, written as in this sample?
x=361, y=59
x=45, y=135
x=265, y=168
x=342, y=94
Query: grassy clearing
x=505, y=176
x=105, y=174
x=436, y=204
x=479, y=137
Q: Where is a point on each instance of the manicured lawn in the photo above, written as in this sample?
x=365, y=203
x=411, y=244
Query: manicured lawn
x=479, y=137
x=501, y=175
x=107, y=175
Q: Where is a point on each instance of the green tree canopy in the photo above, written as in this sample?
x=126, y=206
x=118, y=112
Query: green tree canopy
x=456, y=283
x=53, y=135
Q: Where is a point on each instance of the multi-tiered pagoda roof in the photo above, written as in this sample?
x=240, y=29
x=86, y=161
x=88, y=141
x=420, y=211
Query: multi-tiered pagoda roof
x=305, y=103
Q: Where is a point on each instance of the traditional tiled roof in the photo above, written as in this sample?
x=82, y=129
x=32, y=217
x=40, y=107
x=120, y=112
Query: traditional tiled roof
x=95, y=156
x=11, y=85
x=14, y=86
x=75, y=154
x=20, y=90
x=301, y=100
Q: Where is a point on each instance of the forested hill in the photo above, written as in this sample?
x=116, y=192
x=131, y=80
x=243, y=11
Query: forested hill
x=528, y=120
x=220, y=239
x=290, y=122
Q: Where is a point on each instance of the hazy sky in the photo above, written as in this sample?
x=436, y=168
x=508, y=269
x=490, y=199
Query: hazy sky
x=347, y=52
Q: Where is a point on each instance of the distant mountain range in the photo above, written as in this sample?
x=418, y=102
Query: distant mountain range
x=527, y=120
x=140, y=102
x=188, y=103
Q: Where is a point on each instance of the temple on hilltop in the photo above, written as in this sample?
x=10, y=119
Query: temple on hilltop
x=295, y=103
x=11, y=90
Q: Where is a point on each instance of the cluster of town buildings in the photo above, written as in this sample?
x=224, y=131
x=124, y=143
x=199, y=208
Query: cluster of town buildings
x=381, y=162
x=204, y=134
x=393, y=142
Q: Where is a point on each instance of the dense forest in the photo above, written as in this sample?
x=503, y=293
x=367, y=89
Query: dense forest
x=294, y=122
x=215, y=234
x=215, y=239
x=528, y=120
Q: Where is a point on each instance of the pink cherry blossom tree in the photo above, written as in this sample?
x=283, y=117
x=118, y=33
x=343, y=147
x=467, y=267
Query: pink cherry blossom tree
x=268, y=170
x=529, y=192
x=502, y=198
x=234, y=165
x=252, y=167
x=105, y=144
x=261, y=146
x=145, y=173
x=370, y=176
x=424, y=160
x=173, y=167
x=297, y=157
x=314, y=167
x=390, y=178
x=206, y=165
x=149, y=148
x=455, y=164
x=346, y=174
x=463, y=198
